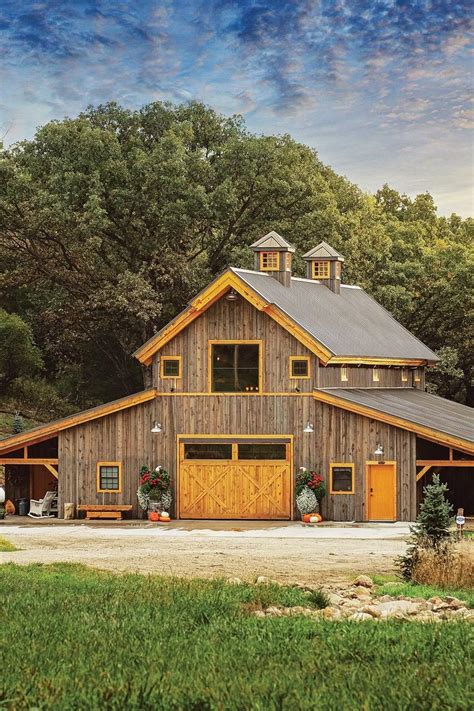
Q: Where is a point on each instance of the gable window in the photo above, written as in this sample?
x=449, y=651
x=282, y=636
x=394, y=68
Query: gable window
x=235, y=367
x=109, y=477
x=320, y=270
x=269, y=261
x=341, y=478
x=299, y=367
x=404, y=375
x=344, y=375
x=375, y=375
x=171, y=366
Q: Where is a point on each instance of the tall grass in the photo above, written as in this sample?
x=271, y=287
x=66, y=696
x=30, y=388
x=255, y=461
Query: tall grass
x=6, y=546
x=74, y=638
x=453, y=568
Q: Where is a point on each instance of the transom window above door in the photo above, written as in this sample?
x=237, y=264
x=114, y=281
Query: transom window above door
x=235, y=366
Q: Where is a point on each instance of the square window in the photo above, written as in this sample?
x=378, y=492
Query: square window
x=404, y=375
x=170, y=367
x=321, y=270
x=299, y=367
x=342, y=478
x=269, y=261
x=235, y=367
x=108, y=476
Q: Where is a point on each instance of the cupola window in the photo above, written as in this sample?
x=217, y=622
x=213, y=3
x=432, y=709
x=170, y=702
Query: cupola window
x=269, y=261
x=320, y=270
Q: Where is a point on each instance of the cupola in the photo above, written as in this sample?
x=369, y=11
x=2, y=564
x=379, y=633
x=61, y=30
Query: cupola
x=324, y=264
x=273, y=254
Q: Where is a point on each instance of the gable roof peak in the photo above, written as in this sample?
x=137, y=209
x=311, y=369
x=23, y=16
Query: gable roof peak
x=272, y=241
x=323, y=251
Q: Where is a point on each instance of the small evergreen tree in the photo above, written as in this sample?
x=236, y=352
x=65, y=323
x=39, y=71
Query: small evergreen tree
x=18, y=423
x=431, y=529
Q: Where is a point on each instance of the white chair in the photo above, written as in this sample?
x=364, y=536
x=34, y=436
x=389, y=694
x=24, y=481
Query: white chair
x=41, y=508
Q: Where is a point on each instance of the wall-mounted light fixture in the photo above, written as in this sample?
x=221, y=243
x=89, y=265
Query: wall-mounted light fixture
x=309, y=429
x=379, y=451
x=232, y=295
x=157, y=428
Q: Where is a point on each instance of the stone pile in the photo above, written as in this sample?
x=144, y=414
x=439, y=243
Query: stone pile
x=357, y=602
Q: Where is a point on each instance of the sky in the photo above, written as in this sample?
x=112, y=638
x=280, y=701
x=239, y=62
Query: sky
x=382, y=89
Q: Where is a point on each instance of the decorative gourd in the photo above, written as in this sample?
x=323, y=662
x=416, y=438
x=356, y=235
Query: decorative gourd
x=307, y=517
x=154, y=516
x=10, y=507
x=164, y=516
x=316, y=518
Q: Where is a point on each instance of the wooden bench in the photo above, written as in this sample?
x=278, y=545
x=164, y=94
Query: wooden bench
x=104, y=511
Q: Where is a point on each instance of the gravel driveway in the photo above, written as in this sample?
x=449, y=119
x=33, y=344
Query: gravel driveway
x=289, y=553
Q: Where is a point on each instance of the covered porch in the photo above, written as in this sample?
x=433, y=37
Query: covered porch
x=30, y=472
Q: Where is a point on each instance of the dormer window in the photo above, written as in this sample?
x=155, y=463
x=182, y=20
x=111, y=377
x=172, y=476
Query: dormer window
x=321, y=270
x=269, y=261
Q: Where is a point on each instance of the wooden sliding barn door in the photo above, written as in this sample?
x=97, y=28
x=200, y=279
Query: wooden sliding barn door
x=234, y=487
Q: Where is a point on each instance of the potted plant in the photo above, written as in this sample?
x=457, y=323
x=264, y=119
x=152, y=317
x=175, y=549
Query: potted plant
x=310, y=489
x=154, y=490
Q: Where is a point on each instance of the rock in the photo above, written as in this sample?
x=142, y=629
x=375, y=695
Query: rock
x=361, y=616
x=372, y=610
x=331, y=613
x=298, y=610
x=398, y=608
x=454, y=602
x=259, y=613
x=335, y=599
x=385, y=598
x=435, y=600
x=427, y=616
x=234, y=581
x=263, y=580
x=363, y=581
x=460, y=613
x=363, y=594
x=274, y=612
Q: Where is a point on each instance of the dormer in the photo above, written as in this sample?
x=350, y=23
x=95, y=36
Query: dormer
x=273, y=255
x=324, y=264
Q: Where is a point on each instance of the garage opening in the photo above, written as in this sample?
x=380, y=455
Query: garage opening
x=235, y=478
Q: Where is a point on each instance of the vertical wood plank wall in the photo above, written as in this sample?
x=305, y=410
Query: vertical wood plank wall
x=339, y=436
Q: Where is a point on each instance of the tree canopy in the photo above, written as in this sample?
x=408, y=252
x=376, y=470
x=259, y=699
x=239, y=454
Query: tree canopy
x=111, y=221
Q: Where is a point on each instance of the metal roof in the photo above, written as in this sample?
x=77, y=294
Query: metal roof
x=272, y=241
x=349, y=324
x=415, y=406
x=323, y=251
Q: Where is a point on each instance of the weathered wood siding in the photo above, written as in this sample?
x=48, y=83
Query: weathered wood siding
x=339, y=436
x=362, y=377
x=237, y=320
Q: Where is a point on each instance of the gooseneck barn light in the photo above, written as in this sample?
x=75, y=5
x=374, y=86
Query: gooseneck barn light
x=309, y=429
x=157, y=428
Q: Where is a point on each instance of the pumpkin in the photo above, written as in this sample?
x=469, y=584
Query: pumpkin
x=10, y=507
x=307, y=517
x=316, y=518
x=165, y=517
x=153, y=516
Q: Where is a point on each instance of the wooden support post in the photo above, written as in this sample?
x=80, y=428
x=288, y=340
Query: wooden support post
x=51, y=469
x=423, y=472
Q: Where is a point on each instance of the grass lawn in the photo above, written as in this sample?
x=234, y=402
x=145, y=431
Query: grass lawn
x=425, y=591
x=74, y=638
x=6, y=546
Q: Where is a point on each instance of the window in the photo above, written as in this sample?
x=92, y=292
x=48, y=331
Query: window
x=320, y=270
x=376, y=375
x=404, y=375
x=269, y=261
x=208, y=450
x=235, y=367
x=262, y=450
x=299, y=367
x=344, y=375
x=109, y=477
x=417, y=375
x=341, y=478
x=170, y=366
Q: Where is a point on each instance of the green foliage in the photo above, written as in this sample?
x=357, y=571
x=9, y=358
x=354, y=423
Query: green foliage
x=111, y=221
x=18, y=423
x=431, y=530
x=410, y=589
x=143, y=642
x=18, y=353
x=40, y=397
x=445, y=377
x=5, y=545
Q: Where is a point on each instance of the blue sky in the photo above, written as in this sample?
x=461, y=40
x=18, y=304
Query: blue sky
x=382, y=89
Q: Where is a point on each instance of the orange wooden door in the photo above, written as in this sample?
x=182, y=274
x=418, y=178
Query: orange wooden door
x=234, y=489
x=381, y=492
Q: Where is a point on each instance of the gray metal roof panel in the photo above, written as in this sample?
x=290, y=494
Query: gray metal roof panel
x=349, y=324
x=415, y=406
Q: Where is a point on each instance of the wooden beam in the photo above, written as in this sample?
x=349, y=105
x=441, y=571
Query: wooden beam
x=51, y=469
x=445, y=462
x=361, y=360
x=6, y=460
x=423, y=472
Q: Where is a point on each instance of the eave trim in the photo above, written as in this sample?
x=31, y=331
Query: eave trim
x=422, y=430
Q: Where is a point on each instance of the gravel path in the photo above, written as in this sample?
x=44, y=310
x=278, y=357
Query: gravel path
x=288, y=554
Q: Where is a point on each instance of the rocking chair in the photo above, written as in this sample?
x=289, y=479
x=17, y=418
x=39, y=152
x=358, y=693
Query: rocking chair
x=41, y=508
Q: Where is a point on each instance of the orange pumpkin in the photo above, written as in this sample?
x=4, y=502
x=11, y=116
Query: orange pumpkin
x=307, y=517
x=165, y=518
x=154, y=516
x=10, y=507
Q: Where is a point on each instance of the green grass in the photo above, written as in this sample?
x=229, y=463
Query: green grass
x=424, y=591
x=74, y=638
x=6, y=546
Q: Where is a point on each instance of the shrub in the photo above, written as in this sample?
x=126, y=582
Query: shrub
x=452, y=567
